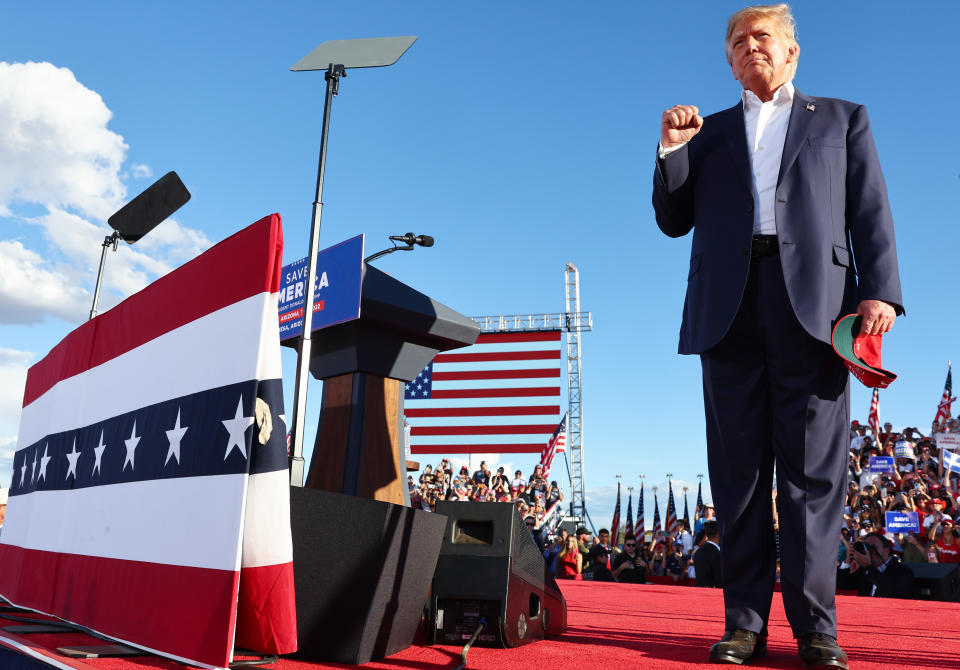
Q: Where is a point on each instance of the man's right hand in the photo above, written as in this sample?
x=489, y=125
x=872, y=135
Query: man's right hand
x=679, y=124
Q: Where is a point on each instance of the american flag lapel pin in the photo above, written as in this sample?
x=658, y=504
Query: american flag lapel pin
x=811, y=107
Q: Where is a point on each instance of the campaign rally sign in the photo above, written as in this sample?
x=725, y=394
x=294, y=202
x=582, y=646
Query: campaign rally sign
x=881, y=464
x=903, y=522
x=903, y=449
x=950, y=441
x=150, y=501
x=336, y=296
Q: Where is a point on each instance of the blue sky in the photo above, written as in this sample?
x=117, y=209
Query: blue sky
x=520, y=135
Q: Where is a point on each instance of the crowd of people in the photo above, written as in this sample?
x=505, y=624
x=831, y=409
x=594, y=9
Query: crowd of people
x=870, y=556
x=534, y=496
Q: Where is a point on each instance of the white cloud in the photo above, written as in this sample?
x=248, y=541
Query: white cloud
x=54, y=139
x=29, y=289
x=6, y=460
x=58, y=153
x=141, y=171
x=13, y=376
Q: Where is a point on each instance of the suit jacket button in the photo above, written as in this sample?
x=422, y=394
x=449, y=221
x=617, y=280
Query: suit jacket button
x=745, y=250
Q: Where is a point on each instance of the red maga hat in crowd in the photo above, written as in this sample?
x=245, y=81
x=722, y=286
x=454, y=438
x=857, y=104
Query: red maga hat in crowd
x=861, y=353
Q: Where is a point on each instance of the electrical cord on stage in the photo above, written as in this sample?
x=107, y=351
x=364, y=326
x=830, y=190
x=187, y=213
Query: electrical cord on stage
x=265, y=659
x=473, y=638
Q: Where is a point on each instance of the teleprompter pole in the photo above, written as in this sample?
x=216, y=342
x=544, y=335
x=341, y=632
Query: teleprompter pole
x=332, y=76
x=108, y=241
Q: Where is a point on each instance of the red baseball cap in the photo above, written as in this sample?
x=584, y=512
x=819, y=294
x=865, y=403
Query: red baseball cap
x=861, y=353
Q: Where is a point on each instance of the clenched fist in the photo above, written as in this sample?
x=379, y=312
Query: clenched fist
x=679, y=124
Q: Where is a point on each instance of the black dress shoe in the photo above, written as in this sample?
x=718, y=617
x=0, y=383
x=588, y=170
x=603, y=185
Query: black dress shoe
x=738, y=646
x=818, y=650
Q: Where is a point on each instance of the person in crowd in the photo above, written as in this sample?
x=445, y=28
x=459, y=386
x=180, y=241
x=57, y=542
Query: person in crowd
x=498, y=480
x=583, y=543
x=482, y=475
x=629, y=565
x=914, y=549
x=569, y=561
x=706, y=560
x=657, y=566
x=604, y=538
x=676, y=562
x=883, y=576
x=708, y=514
x=845, y=580
x=517, y=484
x=944, y=534
x=685, y=538
x=531, y=524
x=427, y=476
x=554, y=494
x=598, y=570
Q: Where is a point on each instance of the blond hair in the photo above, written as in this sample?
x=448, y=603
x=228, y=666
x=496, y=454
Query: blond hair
x=781, y=13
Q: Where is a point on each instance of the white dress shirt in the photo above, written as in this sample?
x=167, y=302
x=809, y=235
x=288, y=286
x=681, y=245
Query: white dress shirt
x=766, y=125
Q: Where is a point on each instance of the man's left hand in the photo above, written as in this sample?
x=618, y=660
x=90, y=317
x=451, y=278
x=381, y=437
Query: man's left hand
x=878, y=317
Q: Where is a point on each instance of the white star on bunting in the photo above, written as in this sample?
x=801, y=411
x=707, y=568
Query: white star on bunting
x=36, y=462
x=131, y=444
x=174, y=435
x=73, y=456
x=23, y=471
x=43, y=463
x=98, y=453
x=237, y=426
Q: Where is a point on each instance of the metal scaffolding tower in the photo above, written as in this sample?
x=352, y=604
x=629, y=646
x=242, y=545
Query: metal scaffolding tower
x=572, y=322
x=571, y=276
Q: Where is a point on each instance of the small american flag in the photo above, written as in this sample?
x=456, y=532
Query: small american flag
x=615, y=524
x=874, y=418
x=943, y=409
x=641, y=530
x=500, y=395
x=553, y=446
x=671, y=511
x=699, y=512
x=657, y=530
x=628, y=530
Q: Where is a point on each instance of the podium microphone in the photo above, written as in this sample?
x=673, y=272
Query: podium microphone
x=411, y=239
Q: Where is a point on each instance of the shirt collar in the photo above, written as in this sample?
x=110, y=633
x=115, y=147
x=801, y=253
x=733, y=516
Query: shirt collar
x=783, y=96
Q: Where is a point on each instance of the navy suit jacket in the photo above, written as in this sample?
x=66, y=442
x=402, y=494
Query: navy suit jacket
x=833, y=219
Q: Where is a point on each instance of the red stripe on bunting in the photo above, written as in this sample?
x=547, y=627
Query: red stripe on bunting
x=147, y=604
x=186, y=294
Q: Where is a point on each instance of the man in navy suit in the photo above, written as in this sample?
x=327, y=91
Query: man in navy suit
x=792, y=230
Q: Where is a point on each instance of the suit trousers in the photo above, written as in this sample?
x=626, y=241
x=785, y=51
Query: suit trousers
x=774, y=394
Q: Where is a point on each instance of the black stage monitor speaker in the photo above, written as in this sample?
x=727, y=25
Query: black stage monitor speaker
x=490, y=568
x=936, y=581
x=362, y=572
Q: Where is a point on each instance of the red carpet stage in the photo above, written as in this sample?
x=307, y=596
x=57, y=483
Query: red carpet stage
x=645, y=626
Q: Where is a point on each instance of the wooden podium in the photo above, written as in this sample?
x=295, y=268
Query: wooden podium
x=364, y=364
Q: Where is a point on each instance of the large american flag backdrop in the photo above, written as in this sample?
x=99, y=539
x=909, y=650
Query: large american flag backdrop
x=500, y=395
x=148, y=502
